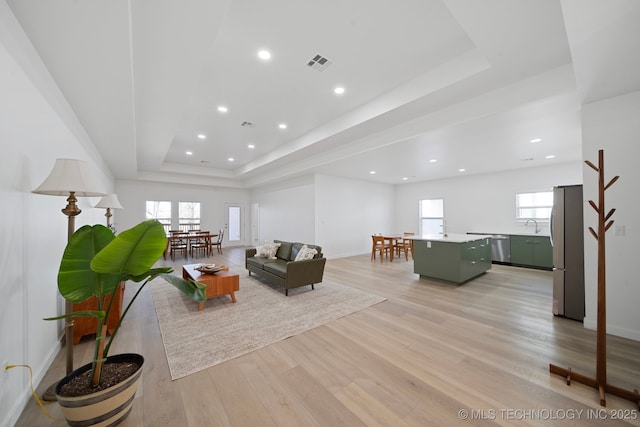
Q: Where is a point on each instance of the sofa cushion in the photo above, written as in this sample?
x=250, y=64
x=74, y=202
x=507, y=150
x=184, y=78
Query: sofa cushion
x=259, y=261
x=268, y=250
x=318, y=250
x=277, y=267
x=305, y=253
x=284, y=251
x=295, y=248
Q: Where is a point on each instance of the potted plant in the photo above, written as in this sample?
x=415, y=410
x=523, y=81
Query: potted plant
x=94, y=263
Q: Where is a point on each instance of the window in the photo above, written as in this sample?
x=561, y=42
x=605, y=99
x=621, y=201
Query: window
x=431, y=216
x=534, y=205
x=189, y=216
x=160, y=211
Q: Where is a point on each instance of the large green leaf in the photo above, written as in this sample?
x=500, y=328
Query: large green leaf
x=76, y=280
x=133, y=252
x=194, y=290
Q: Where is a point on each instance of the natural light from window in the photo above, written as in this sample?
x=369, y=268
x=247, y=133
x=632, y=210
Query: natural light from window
x=161, y=211
x=431, y=216
x=534, y=205
x=189, y=216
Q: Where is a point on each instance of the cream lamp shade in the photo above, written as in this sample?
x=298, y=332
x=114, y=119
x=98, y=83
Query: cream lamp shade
x=70, y=175
x=110, y=201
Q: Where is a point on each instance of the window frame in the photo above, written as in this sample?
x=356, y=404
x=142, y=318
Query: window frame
x=535, y=206
x=422, y=217
x=166, y=222
x=189, y=223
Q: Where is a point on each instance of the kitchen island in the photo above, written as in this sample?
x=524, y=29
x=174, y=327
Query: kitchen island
x=455, y=258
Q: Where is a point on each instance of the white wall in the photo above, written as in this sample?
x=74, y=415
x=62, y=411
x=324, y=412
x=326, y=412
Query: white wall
x=614, y=126
x=482, y=203
x=338, y=214
x=348, y=212
x=287, y=211
x=134, y=194
x=33, y=230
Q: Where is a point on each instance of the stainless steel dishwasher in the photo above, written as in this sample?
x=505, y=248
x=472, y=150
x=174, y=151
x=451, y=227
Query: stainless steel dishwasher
x=501, y=248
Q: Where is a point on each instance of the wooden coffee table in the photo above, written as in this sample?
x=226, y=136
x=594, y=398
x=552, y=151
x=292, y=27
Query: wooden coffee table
x=221, y=283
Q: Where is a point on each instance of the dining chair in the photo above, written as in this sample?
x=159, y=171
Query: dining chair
x=406, y=245
x=218, y=242
x=200, y=242
x=178, y=243
x=379, y=244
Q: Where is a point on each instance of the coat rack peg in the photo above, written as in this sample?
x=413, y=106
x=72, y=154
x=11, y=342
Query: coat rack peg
x=615, y=178
x=594, y=167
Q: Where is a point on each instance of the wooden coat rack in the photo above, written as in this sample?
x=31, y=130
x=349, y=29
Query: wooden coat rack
x=604, y=223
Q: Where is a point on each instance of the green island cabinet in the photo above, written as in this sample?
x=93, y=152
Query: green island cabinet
x=455, y=258
x=532, y=251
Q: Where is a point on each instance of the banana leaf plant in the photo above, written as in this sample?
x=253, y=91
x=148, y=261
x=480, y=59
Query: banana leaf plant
x=94, y=263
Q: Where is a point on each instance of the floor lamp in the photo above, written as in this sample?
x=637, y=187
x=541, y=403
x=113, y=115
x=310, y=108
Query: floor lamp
x=110, y=201
x=71, y=178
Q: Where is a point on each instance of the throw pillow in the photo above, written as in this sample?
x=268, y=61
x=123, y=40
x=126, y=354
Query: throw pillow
x=305, y=253
x=268, y=250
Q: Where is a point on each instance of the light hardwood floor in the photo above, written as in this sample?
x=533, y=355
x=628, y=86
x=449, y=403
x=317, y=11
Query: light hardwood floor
x=429, y=354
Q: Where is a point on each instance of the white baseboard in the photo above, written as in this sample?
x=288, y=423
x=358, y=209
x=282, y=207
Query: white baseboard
x=590, y=323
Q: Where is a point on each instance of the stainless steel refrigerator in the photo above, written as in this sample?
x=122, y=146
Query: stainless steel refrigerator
x=567, y=238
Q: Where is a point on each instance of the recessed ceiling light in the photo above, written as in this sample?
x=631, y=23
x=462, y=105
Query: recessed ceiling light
x=282, y=125
x=231, y=159
x=461, y=170
x=339, y=90
x=189, y=153
x=433, y=161
x=550, y=156
x=222, y=109
x=202, y=136
x=404, y=178
x=251, y=146
x=533, y=141
x=372, y=172
x=264, y=55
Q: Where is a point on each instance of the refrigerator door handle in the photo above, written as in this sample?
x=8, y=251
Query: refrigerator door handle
x=551, y=226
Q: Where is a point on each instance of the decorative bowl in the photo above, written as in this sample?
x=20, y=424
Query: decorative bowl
x=210, y=268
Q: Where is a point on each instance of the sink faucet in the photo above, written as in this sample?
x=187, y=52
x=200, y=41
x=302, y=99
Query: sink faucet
x=536, y=230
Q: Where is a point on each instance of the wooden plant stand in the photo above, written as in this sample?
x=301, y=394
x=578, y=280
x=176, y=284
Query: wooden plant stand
x=604, y=223
x=89, y=325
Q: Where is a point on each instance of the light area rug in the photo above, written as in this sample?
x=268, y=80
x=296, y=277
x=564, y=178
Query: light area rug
x=195, y=340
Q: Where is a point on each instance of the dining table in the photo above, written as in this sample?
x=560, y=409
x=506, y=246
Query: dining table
x=190, y=237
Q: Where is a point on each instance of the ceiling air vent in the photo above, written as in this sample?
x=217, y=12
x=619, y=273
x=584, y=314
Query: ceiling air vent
x=319, y=63
x=247, y=124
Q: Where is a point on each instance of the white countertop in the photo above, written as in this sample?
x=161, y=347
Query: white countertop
x=450, y=237
x=513, y=233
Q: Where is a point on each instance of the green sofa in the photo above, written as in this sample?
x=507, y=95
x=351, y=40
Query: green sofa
x=283, y=269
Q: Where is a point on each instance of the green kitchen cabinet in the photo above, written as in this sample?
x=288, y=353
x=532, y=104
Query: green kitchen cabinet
x=453, y=260
x=531, y=251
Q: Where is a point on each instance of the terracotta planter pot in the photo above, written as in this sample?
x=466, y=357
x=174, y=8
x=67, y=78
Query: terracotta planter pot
x=106, y=407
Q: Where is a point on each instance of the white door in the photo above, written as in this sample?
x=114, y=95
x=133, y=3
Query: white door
x=233, y=227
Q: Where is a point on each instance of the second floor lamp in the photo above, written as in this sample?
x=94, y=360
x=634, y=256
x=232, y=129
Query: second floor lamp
x=108, y=202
